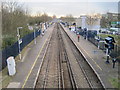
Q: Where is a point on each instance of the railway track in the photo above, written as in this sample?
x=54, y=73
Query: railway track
x=49, y=68
x=89, y=74
x=68, y=81
x=64, y=66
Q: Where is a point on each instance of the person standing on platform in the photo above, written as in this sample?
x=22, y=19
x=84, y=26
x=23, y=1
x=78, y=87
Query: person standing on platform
x=78, y=37
x=113, y=60
x=114, y=57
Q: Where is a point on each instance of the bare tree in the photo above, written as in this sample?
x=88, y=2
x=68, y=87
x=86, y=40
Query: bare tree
x=107, y=19
x=0, y=28
x=91, y=20
x=68, y=18
x=39, y=14
x=103, y=22
x=13, y=16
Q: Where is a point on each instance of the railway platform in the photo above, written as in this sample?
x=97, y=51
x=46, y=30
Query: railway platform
x=96, y=59
x=28, y=67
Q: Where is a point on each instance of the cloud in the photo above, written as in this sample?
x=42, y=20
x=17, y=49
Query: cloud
x=68, y=0
x=74, y=8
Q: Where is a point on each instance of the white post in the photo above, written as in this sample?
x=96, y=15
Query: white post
x=87, y=35
x=99, y=41
x=98, y=45
x=18, y=34
x=107, y=54
x=106, y=51
x=34, y=37
x=35, y=34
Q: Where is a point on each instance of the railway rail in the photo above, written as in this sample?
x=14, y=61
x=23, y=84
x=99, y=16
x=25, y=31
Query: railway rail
x=64, y=66
x=65, y=63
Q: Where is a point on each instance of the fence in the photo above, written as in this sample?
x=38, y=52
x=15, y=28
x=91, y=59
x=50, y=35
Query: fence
x=91, y=38
x=13, y=50
x=115, y=53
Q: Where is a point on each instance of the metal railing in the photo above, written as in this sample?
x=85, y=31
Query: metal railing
x=115, y=53
x=14, y=51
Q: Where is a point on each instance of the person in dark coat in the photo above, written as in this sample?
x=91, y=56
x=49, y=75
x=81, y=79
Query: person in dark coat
x=114, y=57
x=114, y=61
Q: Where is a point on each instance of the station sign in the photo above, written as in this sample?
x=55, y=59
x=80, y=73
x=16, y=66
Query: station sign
x=115, y=22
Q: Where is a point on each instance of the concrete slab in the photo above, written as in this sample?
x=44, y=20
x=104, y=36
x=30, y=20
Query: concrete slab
x=14, y=85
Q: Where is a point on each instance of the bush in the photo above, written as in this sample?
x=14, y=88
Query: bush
x=8, y=41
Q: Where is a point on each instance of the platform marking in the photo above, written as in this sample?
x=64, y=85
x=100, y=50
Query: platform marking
x=33, y=64
x=25, y=54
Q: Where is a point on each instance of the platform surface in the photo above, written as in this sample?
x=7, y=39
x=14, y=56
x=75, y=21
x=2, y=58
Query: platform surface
x=96, y=58
x=28, y=67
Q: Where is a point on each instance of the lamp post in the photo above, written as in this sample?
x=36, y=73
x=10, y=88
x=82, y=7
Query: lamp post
x=75, y=27
x=99, y=32
x=19, y=41
x=35, y=34
x=99, y=40
x=109, y=46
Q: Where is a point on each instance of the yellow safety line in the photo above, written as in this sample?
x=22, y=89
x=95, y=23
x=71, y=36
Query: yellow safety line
x=33, y=65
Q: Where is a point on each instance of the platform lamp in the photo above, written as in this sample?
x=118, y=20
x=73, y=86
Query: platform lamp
x=74, y=25
x=35, y=33
x=109, y=46
x=19, y=40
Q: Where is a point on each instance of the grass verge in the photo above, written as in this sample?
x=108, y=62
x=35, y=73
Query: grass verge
x=5, y=78
x=115, y=82
x=106, y=35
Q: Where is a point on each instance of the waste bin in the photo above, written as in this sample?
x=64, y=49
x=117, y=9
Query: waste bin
x=11, y=66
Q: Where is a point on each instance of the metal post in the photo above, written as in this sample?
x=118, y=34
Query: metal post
x=18, y=34
x=46, y=25
x=34, y=37
x=107, y=52
x=75, y=27
x=99, y=42
x=86, y=35
x=107, y=59
x=114, y=60
x=35, y=33
x=98, y=45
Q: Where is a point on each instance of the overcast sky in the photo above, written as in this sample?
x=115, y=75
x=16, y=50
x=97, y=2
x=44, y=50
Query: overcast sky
x=68, y=0
x=74, y=7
